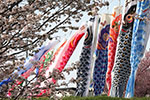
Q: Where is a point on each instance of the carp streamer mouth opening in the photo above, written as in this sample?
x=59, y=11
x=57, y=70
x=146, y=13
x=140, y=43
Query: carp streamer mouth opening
x=76, y=39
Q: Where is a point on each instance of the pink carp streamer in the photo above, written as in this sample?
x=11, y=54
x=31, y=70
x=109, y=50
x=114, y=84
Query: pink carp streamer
x=114, y=32
x=62, y=58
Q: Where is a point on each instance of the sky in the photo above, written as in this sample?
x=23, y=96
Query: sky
x=76, y=54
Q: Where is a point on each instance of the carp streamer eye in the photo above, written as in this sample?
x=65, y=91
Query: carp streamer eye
x=129, y=18
x=105, y=36
x=113, y=26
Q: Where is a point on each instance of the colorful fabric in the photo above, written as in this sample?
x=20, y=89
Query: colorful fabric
x=47, y=56
x=85, y=62
x=62, y=58
x=86, y=59
x=101, y=61
x=122, y=67
x=112, y=45
x=29, y=66
x=55, y=54
x=139, y=41
x=49, y=63
x=37, y=56
x=46, y=59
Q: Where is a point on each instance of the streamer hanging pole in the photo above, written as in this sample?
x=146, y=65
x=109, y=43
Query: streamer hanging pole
x=139, y=40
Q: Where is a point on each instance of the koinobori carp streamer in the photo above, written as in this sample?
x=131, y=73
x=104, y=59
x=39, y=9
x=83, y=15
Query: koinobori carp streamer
x=85, y=67
x=139, y=40
x=63, y=56
x=113, y=35
x=29, y=67
x=48, y=63
x=122, y=67
x=101, y=61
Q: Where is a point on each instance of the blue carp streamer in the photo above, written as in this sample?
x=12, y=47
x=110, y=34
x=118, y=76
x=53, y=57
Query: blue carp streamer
x=139, y=41
x=101, y=61
x=122, y=67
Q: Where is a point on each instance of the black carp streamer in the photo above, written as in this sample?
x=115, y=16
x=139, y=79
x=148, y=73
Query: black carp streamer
x=122, y=67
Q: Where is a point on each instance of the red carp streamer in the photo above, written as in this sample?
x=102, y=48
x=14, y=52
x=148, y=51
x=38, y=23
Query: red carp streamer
x=114, y=32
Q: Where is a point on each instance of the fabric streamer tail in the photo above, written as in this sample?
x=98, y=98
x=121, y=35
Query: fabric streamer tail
x=130, y=85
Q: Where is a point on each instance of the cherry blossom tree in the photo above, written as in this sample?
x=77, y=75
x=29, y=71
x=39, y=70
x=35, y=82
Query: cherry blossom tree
x=142, y=82
x=26, y=24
